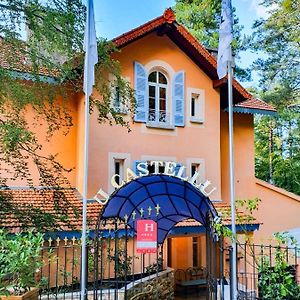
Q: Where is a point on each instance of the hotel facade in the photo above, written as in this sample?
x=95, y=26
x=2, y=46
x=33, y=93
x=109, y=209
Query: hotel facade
x=180, y=129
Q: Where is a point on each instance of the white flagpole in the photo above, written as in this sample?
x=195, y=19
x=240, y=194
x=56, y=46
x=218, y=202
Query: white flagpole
x=91, y=58
x=232, y=181
x=224, y=67
x=84, y=198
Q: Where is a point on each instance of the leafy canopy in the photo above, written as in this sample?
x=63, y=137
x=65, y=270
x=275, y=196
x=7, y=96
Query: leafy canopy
x=40, y=72
x=277, y=139
x=202, y=18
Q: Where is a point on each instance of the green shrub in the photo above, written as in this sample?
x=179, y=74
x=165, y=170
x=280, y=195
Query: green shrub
x=20, y=259
x=277, y=281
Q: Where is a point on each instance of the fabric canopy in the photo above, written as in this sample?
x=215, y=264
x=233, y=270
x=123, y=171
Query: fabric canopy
x=164, y=199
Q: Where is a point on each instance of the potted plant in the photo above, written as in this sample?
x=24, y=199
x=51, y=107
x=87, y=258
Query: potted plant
x=20, y=259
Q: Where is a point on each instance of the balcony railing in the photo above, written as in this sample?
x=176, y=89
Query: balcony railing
x=158, y=117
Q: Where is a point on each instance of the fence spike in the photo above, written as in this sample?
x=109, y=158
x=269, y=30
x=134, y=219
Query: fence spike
x=57, y=241
x=50, y=241
x=66, y=241
x=73, y=240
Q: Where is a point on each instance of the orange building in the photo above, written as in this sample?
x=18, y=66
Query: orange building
x=181, y=118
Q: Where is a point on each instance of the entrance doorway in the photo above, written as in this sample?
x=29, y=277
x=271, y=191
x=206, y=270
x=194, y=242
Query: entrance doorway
x=124, y=270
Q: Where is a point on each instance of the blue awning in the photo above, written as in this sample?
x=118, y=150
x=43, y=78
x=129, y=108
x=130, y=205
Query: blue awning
x=177, y=200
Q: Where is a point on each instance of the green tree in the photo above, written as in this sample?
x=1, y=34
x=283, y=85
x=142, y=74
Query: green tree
x=277, y=139
x=202, y=18
x=36, y=71
x=278, y=37
x=277, y=143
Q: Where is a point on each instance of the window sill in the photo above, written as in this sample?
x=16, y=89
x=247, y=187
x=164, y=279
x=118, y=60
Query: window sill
x=160, y=125
x=196, y=120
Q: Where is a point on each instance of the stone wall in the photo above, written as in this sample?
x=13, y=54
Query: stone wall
x=157, y=286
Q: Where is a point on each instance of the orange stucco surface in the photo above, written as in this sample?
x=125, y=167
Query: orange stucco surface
x=61, y=143
x=179, y=143
x=208, y=141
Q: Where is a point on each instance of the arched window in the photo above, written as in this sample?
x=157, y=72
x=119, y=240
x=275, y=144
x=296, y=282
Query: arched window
x=158, y=87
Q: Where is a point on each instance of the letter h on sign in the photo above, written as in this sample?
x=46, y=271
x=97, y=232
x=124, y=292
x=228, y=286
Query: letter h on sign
x=146, y=240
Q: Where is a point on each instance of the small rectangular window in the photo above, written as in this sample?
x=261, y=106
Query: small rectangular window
x=196, y=105
x=119, y=170
x=194, y=168
x=117, y=100
x=196, y=164
x=193, y=106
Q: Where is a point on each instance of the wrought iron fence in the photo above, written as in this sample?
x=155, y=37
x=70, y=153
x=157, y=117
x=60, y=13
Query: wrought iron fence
x=59, y=277
x=258, y=265
x=267, y=271
x=110, y=268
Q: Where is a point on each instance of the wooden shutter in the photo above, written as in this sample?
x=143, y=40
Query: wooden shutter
x=141, y=92
x=178, y=99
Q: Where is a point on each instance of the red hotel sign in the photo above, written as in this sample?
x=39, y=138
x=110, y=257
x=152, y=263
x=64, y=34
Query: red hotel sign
x=146, y=241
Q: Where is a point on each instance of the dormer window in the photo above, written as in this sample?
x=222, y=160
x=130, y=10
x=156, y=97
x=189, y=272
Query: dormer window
x=157, y=87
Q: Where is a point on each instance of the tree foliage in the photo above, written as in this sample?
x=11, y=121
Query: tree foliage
x=202, y=18
x=277, y=139
x=276, y=278
x=277, y=37
x=20, y=258
x=39, y=74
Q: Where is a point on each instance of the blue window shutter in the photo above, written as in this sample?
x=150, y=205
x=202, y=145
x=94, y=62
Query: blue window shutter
x=141, y=92
x=178, y=98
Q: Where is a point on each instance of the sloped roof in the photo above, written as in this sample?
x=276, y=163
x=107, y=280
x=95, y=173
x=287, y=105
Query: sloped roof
x=64, y=205
x=167, y=24
x=224, y=210
x=16, y=60
x=67, y=202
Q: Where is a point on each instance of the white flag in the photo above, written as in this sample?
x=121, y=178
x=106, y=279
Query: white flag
x=90, y=48
x=225, y=38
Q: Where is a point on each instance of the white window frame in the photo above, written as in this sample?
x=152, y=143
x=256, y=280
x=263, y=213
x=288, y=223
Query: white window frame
x=157, y=87
x=123, y=107
x=168, y=72
x=198, y=161
x=199, y=94
x=112, y=157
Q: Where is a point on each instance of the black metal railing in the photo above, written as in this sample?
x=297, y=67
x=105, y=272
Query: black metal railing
x=60, y=275
x=257, y=266
x=266, y=271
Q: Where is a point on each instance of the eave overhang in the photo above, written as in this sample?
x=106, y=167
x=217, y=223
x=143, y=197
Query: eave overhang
x=167, y=25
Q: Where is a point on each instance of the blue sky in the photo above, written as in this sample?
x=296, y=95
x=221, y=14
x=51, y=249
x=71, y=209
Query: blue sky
x=114, y=17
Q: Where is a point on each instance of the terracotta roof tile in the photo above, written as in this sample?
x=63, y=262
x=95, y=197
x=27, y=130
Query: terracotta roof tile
x=253, y=103
x=16, y=60
x=60, y=203
x=69, y=203
x=169, y=18
x=224, y=211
